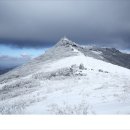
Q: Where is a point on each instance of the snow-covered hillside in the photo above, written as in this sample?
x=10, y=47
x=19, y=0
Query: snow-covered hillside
x=65, y=80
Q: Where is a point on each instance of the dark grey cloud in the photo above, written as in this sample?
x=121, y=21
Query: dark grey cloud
x=22, y=43
x=39, y=23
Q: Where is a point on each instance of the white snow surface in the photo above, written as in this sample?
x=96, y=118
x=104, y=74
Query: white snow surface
x=61, y=87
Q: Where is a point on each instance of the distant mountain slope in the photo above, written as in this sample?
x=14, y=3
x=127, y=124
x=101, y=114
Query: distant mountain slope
x=114, y=56
x=5, y=70
x=67, y=79
x=111, y=55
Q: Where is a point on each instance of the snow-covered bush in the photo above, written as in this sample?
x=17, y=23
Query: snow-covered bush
x=54, y=74
x=74, y=66
x=106, y=72
x=80, y=109
x=81, y=66
x=60, y=73
x=100, y=70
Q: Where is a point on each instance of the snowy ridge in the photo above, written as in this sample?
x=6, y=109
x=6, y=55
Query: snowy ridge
x=66, y=42
x=67, y=79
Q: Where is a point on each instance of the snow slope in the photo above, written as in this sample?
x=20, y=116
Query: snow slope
x=65, y=81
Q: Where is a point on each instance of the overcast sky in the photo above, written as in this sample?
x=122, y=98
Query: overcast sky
x=29, y=27
x=41, y=23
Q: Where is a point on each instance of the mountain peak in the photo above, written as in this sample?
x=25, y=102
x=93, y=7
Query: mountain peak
x=66, y=42
x=65, y=39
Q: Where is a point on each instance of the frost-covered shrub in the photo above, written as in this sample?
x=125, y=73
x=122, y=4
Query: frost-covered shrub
x=5, y=79
x=80, y=109
x=100, y=70
x=18, y=88
x=106, y=72
x=81, y=66
x=60, y=73
x=53, y=74
x=74, y=66
x=20, y=84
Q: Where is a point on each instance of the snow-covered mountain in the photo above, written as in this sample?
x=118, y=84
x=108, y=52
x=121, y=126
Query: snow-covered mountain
x=69, y=79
